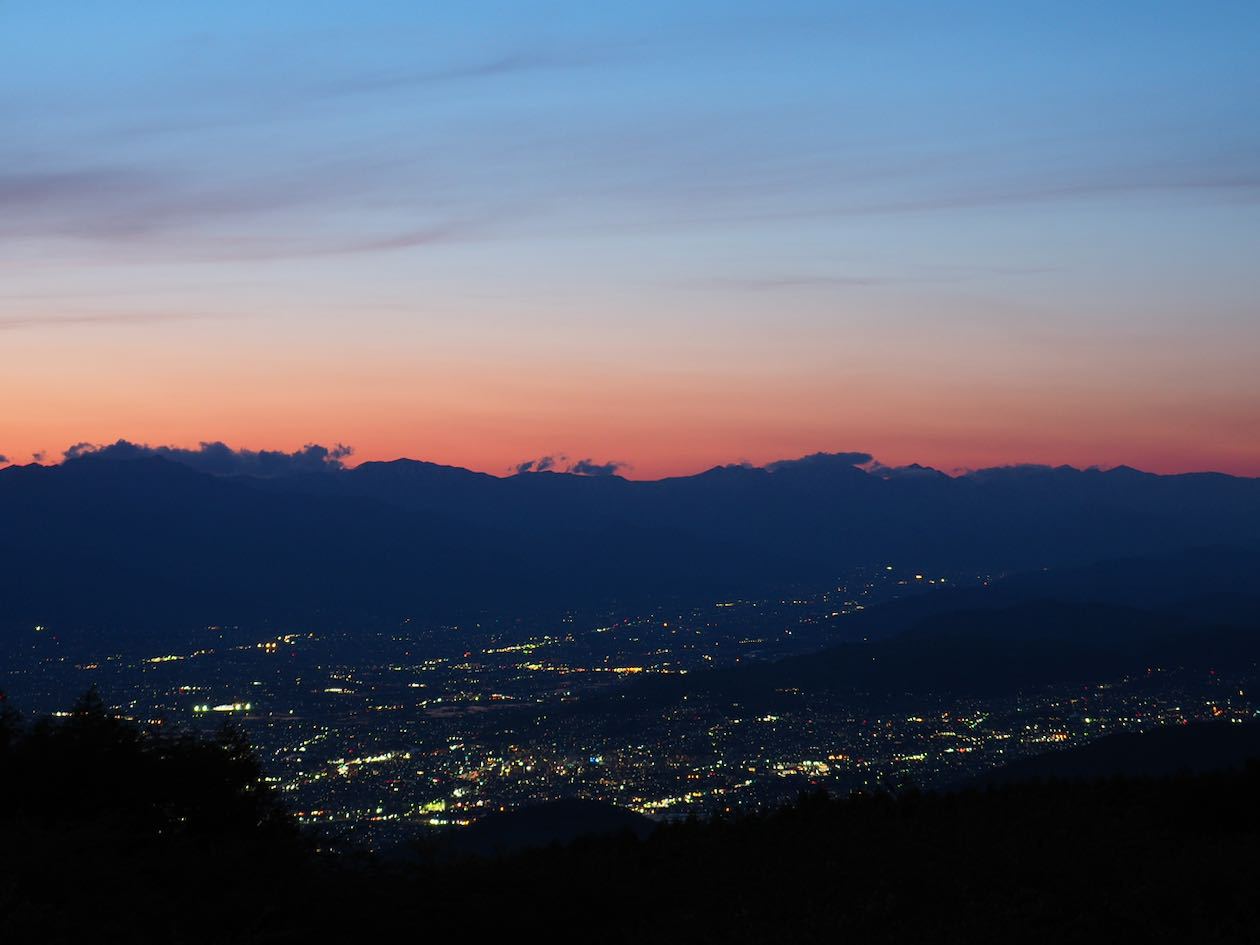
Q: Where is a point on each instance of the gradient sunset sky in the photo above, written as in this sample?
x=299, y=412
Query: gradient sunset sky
x=669, y=234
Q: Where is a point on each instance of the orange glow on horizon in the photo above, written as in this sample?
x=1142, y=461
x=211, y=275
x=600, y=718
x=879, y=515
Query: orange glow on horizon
x=497, y=409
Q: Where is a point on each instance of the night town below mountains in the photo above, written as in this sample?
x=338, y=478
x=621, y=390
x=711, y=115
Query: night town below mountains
x=411, y=648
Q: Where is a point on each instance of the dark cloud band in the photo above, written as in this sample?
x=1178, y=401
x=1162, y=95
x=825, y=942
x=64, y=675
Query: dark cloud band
x=220, y=459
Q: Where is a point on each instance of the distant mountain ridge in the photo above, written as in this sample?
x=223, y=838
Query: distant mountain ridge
x=113, y=541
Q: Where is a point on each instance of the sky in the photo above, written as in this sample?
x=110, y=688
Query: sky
x=669, y=235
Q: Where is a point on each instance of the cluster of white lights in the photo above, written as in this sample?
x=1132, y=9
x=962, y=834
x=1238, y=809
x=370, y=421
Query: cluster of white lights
x=226, y=707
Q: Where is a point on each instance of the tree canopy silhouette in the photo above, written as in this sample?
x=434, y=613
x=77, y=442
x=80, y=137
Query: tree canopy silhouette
x=94, y=765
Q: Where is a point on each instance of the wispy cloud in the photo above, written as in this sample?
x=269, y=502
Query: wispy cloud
x=541, y=464
x=1083, y=184
x=514, y=63
x=111, y=202
x=19, y=322
x=226, y=221
x=246, y=248
x=588, y=467
x=39, y=190
x=932, y=275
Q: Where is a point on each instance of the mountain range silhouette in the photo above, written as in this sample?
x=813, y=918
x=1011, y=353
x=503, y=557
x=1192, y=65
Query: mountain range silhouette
x=147, y=539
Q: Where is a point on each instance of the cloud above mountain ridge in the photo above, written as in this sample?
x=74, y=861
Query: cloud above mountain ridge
x=218, y=458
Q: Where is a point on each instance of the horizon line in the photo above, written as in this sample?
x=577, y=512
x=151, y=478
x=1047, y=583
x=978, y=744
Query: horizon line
x=314, y=458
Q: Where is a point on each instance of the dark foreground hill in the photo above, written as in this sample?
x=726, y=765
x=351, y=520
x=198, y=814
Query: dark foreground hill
x=1162, y=753
x=1153, y=860
x=144, y=540
x=542, y=825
